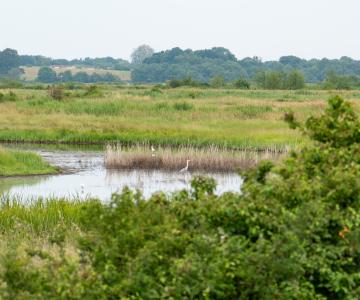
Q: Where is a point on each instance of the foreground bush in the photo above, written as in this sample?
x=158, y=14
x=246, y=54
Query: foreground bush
x=292, y=234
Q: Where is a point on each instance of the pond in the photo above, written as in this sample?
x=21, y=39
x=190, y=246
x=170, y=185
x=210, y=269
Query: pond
x=86, y=177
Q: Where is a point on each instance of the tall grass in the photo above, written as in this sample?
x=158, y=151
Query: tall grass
x=39, y=216
x=23, y=163
x=213, y=158
x=200, y=117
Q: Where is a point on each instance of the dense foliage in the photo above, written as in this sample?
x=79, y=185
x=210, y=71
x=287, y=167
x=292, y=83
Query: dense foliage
x=203, y=65
x=9, y=64
x=293, y=233
x=341, y=82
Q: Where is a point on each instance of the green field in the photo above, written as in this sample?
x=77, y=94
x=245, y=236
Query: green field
x=136, y=114
x=32, y=72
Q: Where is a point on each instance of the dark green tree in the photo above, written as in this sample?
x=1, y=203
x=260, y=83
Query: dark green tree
x=9, y=59
x=47, y=75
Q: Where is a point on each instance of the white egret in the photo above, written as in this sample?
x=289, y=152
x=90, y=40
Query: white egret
x=186, y=168
x=153, y=151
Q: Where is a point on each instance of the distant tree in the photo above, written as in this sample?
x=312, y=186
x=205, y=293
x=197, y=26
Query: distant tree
x=242, y=83
x=216, y=53
x=338, y=82
x=9, y=59
x=277, y=80
x=65, y=76
x=217, y=82
x=274, y=80
x=82, y=77
x=174, y=83
x=260, y=78
x=141, y=53
x=47, y=75
x=292, y=61
x=295, y=80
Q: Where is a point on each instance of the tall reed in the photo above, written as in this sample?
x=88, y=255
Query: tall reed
x=212, y=158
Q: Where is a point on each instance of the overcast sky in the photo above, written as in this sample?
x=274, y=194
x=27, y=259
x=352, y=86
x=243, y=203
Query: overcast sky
x=265, y=28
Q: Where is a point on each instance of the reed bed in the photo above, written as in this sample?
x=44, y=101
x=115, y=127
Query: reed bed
x=210, y=159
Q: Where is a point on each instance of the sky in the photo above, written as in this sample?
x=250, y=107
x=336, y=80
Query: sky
x=264, y=28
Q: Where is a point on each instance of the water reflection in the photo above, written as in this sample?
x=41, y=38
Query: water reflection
x=6, y=184
x=86, y=177
x=100, y=183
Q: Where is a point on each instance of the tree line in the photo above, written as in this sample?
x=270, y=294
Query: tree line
x=201, y=65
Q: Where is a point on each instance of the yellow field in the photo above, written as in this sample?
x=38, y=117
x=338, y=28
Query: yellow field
x=31, y=72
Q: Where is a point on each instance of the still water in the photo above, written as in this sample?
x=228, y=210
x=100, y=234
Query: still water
x=85, y=177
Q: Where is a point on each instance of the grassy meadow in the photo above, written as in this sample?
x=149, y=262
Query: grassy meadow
x=13, y=163
x=248, y=119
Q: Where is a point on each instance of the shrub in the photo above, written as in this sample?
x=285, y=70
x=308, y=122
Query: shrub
x=218, y=82
x=183, y=106
x=186, y=81
x=11, y=97
x=56, y=92
x=93, y=91
x=242, y=83
x=340, y=82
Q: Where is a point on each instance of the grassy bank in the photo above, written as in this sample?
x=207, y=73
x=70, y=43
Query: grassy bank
x=23, y=163
x=184, y=116
x=211, y=159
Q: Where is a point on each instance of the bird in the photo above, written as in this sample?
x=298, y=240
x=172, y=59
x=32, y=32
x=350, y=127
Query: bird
x=153, y=151
x=186, y=168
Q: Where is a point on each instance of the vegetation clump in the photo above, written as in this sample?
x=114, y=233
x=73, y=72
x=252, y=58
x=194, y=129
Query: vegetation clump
x=56, y=92
x=93, y=91
x=183, y=106
x=279, y=80
x=23, y=163
x=9, y=97
x=242, y=83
